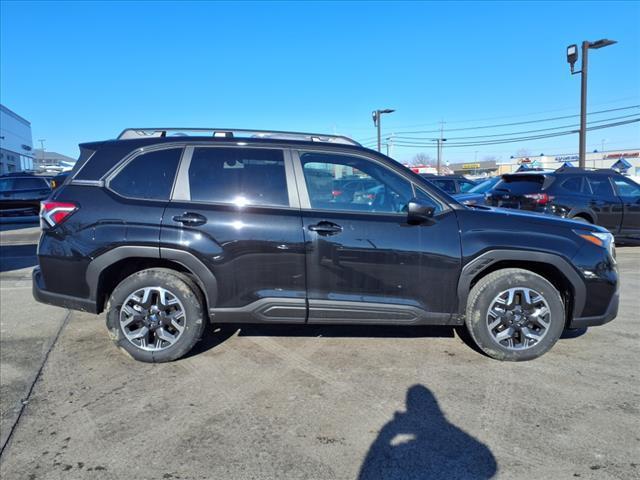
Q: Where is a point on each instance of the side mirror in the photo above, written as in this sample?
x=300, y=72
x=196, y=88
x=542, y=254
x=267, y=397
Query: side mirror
x=418, y=212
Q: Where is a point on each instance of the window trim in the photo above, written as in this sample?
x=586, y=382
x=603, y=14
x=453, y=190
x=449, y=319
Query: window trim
x=182, y=189
x=110, y=175
x=305, y=201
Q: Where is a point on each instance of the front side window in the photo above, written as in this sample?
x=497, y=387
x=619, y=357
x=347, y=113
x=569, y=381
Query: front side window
x=241, y=176
x=343, y=182
x=148, y=176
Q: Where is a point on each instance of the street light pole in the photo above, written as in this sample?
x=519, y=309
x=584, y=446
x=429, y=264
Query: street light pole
x=582, y=149
x=572, y=57
x=376, y=114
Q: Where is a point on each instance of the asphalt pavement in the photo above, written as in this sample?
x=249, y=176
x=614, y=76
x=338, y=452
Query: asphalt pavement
x=302, y=402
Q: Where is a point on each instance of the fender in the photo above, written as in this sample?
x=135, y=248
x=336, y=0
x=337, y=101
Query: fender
x=98, y=264
x=203, y=276
x=480, y=263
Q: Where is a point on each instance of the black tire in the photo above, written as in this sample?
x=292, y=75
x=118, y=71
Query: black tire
x=182, y=288
x=484, y=293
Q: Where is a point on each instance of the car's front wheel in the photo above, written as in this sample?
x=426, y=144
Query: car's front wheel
x=514, y=314
x=156, y=315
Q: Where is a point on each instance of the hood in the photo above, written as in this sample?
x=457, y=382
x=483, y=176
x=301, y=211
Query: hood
x=542, y=219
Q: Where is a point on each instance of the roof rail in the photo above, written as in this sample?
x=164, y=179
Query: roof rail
x=235, y=133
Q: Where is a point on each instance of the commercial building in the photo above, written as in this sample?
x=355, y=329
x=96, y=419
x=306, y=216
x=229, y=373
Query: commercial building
x=16, y=145
x=51, y=161
x=630, y=157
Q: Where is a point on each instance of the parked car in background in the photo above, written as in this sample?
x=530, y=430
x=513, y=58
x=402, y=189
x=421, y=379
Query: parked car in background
x=601, y=197
x=22, y=192
x=476, y=195
x=451, y=184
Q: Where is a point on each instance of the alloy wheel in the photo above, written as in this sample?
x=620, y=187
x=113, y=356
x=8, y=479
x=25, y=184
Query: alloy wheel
x=152, y=318
x=518, y=318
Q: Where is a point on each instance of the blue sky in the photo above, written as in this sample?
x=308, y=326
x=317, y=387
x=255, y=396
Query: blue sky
x=84, y=71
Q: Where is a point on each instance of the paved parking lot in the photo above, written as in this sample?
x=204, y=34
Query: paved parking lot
x=309, y=402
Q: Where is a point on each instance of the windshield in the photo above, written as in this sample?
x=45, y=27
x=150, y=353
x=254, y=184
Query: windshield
x=485, y=186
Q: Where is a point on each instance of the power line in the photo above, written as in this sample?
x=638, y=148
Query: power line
x=514, y=140
x=550, y=119
x=519, y=133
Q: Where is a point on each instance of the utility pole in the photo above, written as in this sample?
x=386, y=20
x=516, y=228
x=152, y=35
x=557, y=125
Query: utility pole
x=376, y=114
x=572, y=57
x=440, y=140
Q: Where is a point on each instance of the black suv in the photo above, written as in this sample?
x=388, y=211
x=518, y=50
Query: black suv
x=602, y=197
x=166, y=233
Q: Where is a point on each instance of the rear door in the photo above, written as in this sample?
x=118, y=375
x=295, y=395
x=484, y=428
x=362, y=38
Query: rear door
x=236, y=210
x=629, y=193
x=604, y=202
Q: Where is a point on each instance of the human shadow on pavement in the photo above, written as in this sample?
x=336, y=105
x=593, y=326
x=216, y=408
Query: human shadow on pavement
x=420, y=443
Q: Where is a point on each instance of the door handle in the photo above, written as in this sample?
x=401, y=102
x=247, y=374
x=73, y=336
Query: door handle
x=325, y=228
x=191, y=219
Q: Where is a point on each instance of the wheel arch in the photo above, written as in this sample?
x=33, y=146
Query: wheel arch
x=552, y=267
x=107, y=270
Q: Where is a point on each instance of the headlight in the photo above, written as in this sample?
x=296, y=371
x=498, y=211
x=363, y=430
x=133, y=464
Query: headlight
x=601, y=239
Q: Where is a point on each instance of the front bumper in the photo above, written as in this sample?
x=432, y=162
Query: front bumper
x=60, y=300
x=609, y=314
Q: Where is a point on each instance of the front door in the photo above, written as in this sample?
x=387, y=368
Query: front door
x=234, y=209
x=364, y=262
x=629, y=193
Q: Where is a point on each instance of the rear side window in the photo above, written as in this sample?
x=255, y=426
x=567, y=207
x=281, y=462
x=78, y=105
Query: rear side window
x=521, y=184
x=241, y=176
x=601, y=186
x=148, y=176
x=29, y=183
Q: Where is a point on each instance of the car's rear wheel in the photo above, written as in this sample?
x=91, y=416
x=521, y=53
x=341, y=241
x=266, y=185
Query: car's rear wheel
x=514, y=314
x=156, y=315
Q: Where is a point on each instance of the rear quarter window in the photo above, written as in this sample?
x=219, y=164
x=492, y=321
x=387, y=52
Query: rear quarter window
x=148, y=176
x=574, y=185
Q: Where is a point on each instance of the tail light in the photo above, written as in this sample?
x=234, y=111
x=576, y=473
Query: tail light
x=54, y=213
x=336, y=193
x=539, y=198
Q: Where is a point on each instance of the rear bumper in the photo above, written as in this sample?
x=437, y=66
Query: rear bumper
x=58, y=299
x=609, y=314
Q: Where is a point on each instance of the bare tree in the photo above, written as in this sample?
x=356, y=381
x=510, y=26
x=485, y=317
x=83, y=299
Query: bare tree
x=522, y=152
x=421, y=159
x=489, y=158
